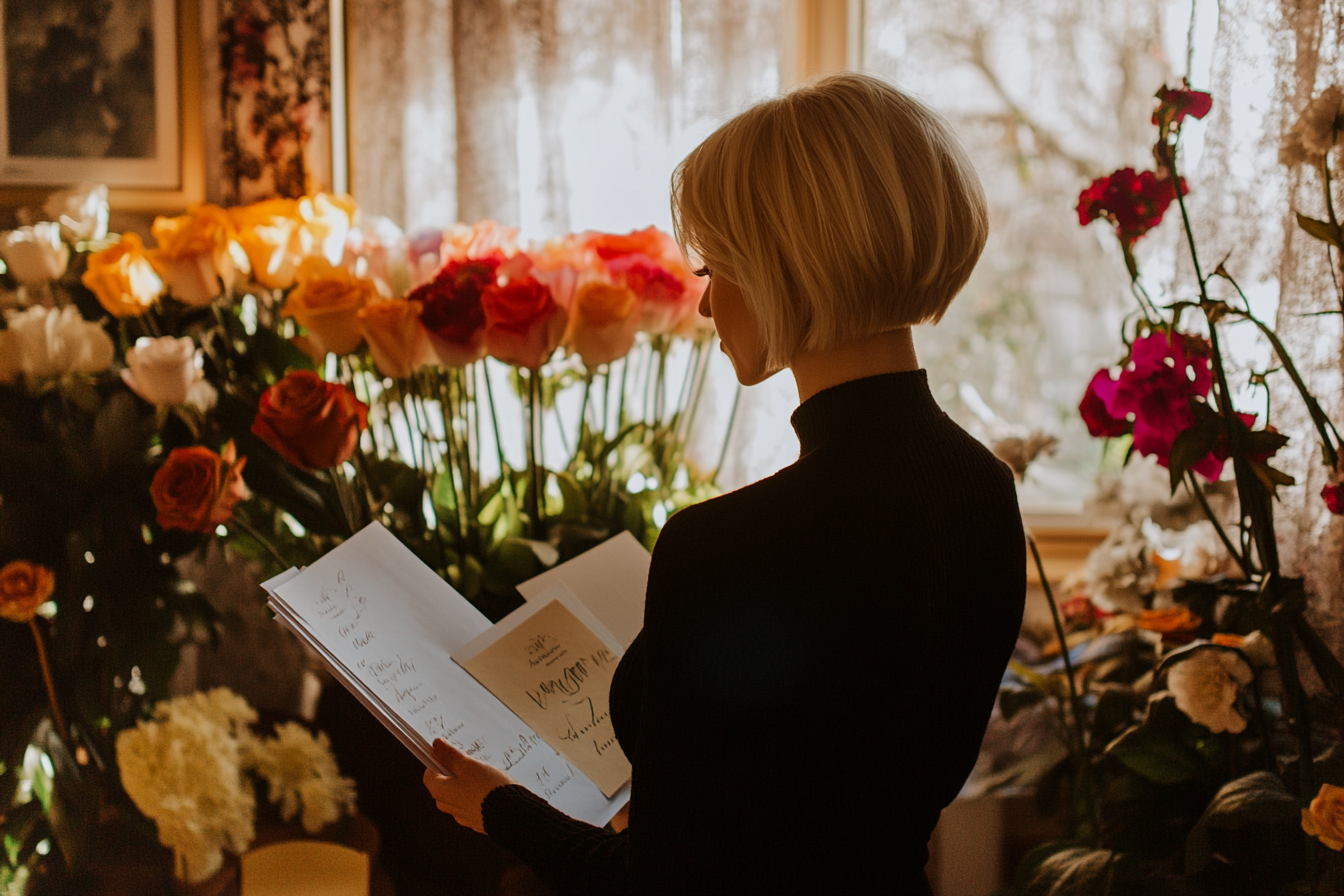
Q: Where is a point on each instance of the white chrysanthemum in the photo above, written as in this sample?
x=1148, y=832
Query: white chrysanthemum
x=1205, y=685
x=302, y=772
x=1119, y=572
x=183, y=772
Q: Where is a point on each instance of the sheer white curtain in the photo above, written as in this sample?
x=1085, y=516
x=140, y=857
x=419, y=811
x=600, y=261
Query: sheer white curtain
x=560, y=115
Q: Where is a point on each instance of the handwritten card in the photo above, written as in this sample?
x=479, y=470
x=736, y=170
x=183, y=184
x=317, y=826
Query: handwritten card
x=551, y=662
x=387, y=625
x=610, y=580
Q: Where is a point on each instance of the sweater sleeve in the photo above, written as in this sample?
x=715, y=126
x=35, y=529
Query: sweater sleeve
x=570, y=856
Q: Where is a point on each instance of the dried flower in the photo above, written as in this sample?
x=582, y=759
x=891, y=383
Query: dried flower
x=1316, y=131
x=1205, y=685
x=1174, y=105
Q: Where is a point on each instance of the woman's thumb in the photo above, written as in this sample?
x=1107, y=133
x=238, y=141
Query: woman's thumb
x=448, y=754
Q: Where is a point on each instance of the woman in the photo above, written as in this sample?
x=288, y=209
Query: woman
x=821, y=649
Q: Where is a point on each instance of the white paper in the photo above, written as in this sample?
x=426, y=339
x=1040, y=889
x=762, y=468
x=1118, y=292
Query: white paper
x=386, y=622
x=610, y=580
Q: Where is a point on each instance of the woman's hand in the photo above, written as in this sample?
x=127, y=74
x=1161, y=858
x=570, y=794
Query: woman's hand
x=462, y=794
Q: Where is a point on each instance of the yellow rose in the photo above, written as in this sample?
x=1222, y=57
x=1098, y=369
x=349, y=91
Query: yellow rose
x=196, y=252
x=278, y=235
x=396, y=337
x=326, y=302
x=24, y=587
x=268, y=233
x=1325, y=819
x=123, y=278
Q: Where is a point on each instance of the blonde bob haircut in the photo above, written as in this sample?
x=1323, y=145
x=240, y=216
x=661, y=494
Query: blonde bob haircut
x=842, y=209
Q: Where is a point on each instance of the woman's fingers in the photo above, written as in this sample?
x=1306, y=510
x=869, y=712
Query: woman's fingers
x=451, y=757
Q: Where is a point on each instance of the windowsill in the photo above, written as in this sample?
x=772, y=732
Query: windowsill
x=1064, y=541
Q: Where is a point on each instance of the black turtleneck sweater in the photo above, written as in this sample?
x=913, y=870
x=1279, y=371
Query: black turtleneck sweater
x=820, y=654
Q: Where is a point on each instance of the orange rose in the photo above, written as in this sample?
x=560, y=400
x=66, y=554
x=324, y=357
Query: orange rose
x=396, y=337
x=603, y=322
x=197, y=489
x=523, y=324
x=1176, y=624
x=123, y=278
x=309, y=422
x=196, y=253
x=24, y=587
x=327, y=302
x=1325, y=819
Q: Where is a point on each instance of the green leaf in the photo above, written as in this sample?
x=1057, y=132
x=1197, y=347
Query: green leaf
x=575, y=504
x=1156, y=755
x=1321, y=230
x=1190, y=447
x=1014, y=700
x=1259, y=797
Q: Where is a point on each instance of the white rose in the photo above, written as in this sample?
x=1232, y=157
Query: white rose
x=82, y=211
x=1205, y=686
x=162, y=370
x=10, y=368
x=202, y=396
x=35, y=254
x=56, y=341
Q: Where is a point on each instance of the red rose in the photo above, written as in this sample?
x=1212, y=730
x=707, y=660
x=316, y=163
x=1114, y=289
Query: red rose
x=1100, y=423
x=1134, y=202
x=523, y=322
x=309, y=422
x=1174, y=105
x=197, y=489
x=452, y=315
x=1333, y=495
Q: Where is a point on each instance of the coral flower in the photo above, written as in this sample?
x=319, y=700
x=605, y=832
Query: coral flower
x=1132, y=201
x=603, y=321
x=123, y=278
x=197, y=489
x=523, y=323
x=1333, y=496
x=24, y=587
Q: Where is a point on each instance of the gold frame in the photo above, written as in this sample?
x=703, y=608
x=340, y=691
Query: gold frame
x=191, y=142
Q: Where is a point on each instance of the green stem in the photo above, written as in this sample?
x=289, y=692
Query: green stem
x=261, y=540
x=533, y=490
x=56, y=717
x=727, y=435
x=1192, y=484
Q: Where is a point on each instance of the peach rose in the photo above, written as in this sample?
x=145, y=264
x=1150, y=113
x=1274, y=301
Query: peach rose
x=123, y=278
x=196, y=253
x=24, y=587
x=484, y=239
x=1325, y=819
x=311, y=423
x=162, y=370
x=603, y=322
x=197, y=489
x=397, y=340
x=523, y=324
x=327, y=302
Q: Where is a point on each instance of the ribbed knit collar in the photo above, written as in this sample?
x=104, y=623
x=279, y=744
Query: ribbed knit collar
x=876, y=403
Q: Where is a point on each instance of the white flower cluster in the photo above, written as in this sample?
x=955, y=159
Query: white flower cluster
x=186, y=770
x=302, y=772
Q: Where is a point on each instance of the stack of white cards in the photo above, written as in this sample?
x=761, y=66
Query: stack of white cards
x=388, y=628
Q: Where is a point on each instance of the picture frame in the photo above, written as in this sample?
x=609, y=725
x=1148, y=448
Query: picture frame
x=162, y=169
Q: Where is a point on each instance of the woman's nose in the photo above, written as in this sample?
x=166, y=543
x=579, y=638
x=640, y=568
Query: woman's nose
x=704, y=301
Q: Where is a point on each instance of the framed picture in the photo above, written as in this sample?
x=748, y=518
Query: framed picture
x=105, y=91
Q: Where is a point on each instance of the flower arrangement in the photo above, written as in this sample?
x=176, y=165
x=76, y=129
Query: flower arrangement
x=1168, y=699
x=187, y=770
x=277, y=376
